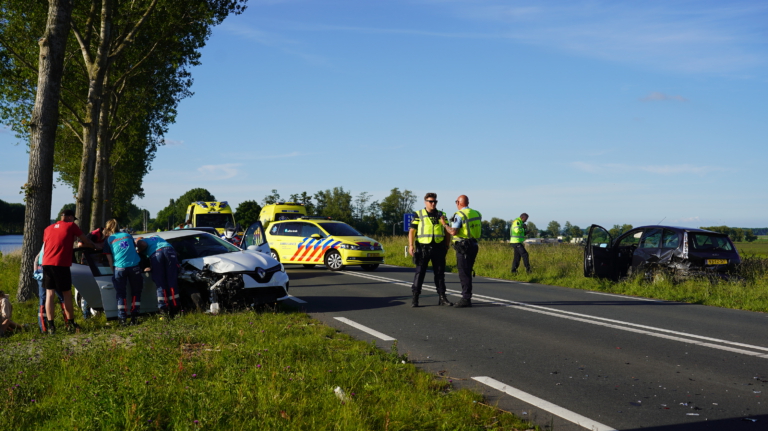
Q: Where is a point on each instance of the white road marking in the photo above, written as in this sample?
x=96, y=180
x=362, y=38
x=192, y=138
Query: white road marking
x=545, y=405
x=623, y=296
x=295, y=299
x=600, y=321
x=375, y=333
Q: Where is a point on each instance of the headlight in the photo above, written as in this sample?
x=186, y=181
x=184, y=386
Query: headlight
x=350, y=247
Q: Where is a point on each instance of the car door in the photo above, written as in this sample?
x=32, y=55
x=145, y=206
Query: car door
x=648, y=251
x=255, y=239
x=599, y=256
x=288, y=239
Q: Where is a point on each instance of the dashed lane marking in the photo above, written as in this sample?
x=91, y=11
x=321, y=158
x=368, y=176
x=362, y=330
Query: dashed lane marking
x=545, y=405
x=366, y=329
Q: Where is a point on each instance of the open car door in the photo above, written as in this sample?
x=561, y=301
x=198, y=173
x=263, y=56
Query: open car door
x=255, y=239
x=598, y=254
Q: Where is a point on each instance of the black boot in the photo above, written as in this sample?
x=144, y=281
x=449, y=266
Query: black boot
x=464, y=303
x=134, y=319
x=444, y=300
x=50, y=326
x=71, y=326
x=122, y=321
x=415, y=300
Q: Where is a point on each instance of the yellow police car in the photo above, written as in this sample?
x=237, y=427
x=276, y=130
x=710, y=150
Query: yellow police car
x=315, y=240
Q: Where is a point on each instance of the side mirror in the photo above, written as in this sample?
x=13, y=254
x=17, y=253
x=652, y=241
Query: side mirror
x=253, y=248
x=316, y=236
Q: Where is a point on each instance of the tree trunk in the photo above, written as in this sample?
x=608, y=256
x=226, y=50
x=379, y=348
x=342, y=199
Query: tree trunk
x=101, y=184
x=97, y=71
x=45, y=119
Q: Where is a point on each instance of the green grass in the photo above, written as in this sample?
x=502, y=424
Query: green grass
x=561, y=265
x=244, y=370
x=755, y=248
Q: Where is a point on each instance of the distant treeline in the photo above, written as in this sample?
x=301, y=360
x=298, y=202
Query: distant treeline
x=736, y=234
x=759, y=230
x=11, y=218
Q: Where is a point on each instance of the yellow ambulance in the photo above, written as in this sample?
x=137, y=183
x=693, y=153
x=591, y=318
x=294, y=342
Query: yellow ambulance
x=281, y=211
x=211, y=214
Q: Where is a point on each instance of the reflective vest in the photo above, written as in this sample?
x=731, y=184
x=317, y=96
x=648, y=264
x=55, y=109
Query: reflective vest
x=471, y=225
x=426, y=231
x=517, y=232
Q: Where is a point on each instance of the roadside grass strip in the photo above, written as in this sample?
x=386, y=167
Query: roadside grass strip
x=699, y=340
x=365, y=329
x=545, y=405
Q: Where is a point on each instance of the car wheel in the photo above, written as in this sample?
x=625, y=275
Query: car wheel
x=333, y=261
x=370, y=266
x=309, y=265
x=274, y=255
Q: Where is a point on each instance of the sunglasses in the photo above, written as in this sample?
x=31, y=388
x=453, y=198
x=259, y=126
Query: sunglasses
x=430, y=201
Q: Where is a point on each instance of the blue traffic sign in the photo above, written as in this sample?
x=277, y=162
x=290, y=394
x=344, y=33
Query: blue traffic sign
x=407, y=220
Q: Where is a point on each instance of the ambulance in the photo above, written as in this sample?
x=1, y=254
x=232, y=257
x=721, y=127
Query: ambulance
x=211, y=214
x=281, y=211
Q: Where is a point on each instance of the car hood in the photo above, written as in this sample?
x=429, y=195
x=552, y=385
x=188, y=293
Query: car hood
x=234, y=262
x=362, y=241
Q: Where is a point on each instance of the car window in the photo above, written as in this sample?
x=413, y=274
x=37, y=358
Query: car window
x=599, y=237
x=309, y=229
x=652, y=239
x=708, y=241
x=670, y=239
x=213, y=220
x=632, y=238
x=193, y=246
x=289, y=229
x=339, y=229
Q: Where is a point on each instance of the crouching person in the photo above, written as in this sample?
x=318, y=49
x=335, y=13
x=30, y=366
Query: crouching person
x=165, y=272
x=124, y=260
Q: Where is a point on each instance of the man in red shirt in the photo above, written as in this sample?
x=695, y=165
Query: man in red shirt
x=59, y=239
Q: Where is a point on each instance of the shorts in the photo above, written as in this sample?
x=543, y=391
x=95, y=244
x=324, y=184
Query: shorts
x=58, y=278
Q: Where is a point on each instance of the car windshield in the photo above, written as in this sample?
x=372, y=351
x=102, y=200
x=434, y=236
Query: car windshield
x=214, y=220
x=710, y=241
x=339, y=229
x=202, y=245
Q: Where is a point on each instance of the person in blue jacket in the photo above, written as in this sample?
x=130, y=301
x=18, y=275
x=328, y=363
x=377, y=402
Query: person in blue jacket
x=165, y=271
x=121, y=252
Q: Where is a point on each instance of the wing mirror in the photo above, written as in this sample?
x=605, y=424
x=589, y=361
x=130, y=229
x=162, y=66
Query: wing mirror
x=316, y=236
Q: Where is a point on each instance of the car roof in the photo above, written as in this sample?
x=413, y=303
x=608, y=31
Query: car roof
x=170, y=234
x=678, y=228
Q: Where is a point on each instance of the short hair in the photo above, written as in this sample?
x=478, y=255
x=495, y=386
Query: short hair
x=523, y=215
x=430, y=195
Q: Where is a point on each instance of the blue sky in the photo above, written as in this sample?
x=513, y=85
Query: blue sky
x=583, y=111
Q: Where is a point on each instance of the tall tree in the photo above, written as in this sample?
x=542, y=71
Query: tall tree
x=336, y=204
x=553, y=228
x=271, y=198
x=43, y=127
x=247, y=213
x=396, y=205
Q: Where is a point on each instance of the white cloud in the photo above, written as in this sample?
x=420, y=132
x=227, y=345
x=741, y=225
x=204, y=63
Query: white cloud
x=173, y=142
x=658, y=96
x=614, y=168
x=219, y=172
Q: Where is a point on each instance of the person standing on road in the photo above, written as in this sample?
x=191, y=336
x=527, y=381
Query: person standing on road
x=58, y=240
x=466, y=227
x=517, y=238
x=124, y=260
x=165, y=271
x=432, y=242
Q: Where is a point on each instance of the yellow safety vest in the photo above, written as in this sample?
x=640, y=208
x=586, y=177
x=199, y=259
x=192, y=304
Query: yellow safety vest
x=426, y=231
x=471, y=226
x=517, y=232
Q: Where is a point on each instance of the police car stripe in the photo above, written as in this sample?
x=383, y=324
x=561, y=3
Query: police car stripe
x=307, y=248
x=334, y=245
x=302, y=244
x=318, y=247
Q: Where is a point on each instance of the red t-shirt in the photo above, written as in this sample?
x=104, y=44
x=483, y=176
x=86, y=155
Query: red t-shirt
x=59, y=239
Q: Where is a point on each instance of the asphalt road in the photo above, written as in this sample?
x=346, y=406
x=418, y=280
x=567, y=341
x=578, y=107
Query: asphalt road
x=565, y=358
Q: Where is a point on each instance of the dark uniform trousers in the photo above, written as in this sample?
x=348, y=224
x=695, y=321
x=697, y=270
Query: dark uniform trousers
x=465, y=262
x=520, y=252
x=426, y=253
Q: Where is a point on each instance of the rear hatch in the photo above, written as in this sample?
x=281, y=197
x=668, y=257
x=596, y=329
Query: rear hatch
x=712, y=251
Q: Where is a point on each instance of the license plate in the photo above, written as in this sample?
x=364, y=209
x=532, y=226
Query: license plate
x=717, y=261
x=373, y=254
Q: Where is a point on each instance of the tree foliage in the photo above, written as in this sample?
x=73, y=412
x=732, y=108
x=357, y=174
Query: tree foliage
x=173, y=214
x=247, y=213
x=553, y=228
x=736, y=234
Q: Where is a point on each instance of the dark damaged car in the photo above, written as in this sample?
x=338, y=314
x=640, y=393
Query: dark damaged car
x=644, y=250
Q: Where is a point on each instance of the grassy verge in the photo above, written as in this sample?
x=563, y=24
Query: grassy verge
x=242, y=370
x=561, y=265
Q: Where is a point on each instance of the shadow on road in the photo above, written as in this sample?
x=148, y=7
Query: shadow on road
x=730, y=424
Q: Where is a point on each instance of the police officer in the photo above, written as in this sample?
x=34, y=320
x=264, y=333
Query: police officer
x=124, y=260
x=431, y=245
x=517, y=238
x=466, y=227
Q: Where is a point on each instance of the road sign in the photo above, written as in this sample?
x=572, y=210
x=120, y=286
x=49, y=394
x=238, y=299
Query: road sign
x=407, y=220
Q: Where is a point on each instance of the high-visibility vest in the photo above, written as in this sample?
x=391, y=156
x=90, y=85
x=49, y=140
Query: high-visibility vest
x=517, y=232
x=426, y=231
x=471, y=225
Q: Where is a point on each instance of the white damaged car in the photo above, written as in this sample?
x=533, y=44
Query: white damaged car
x=214, y=274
